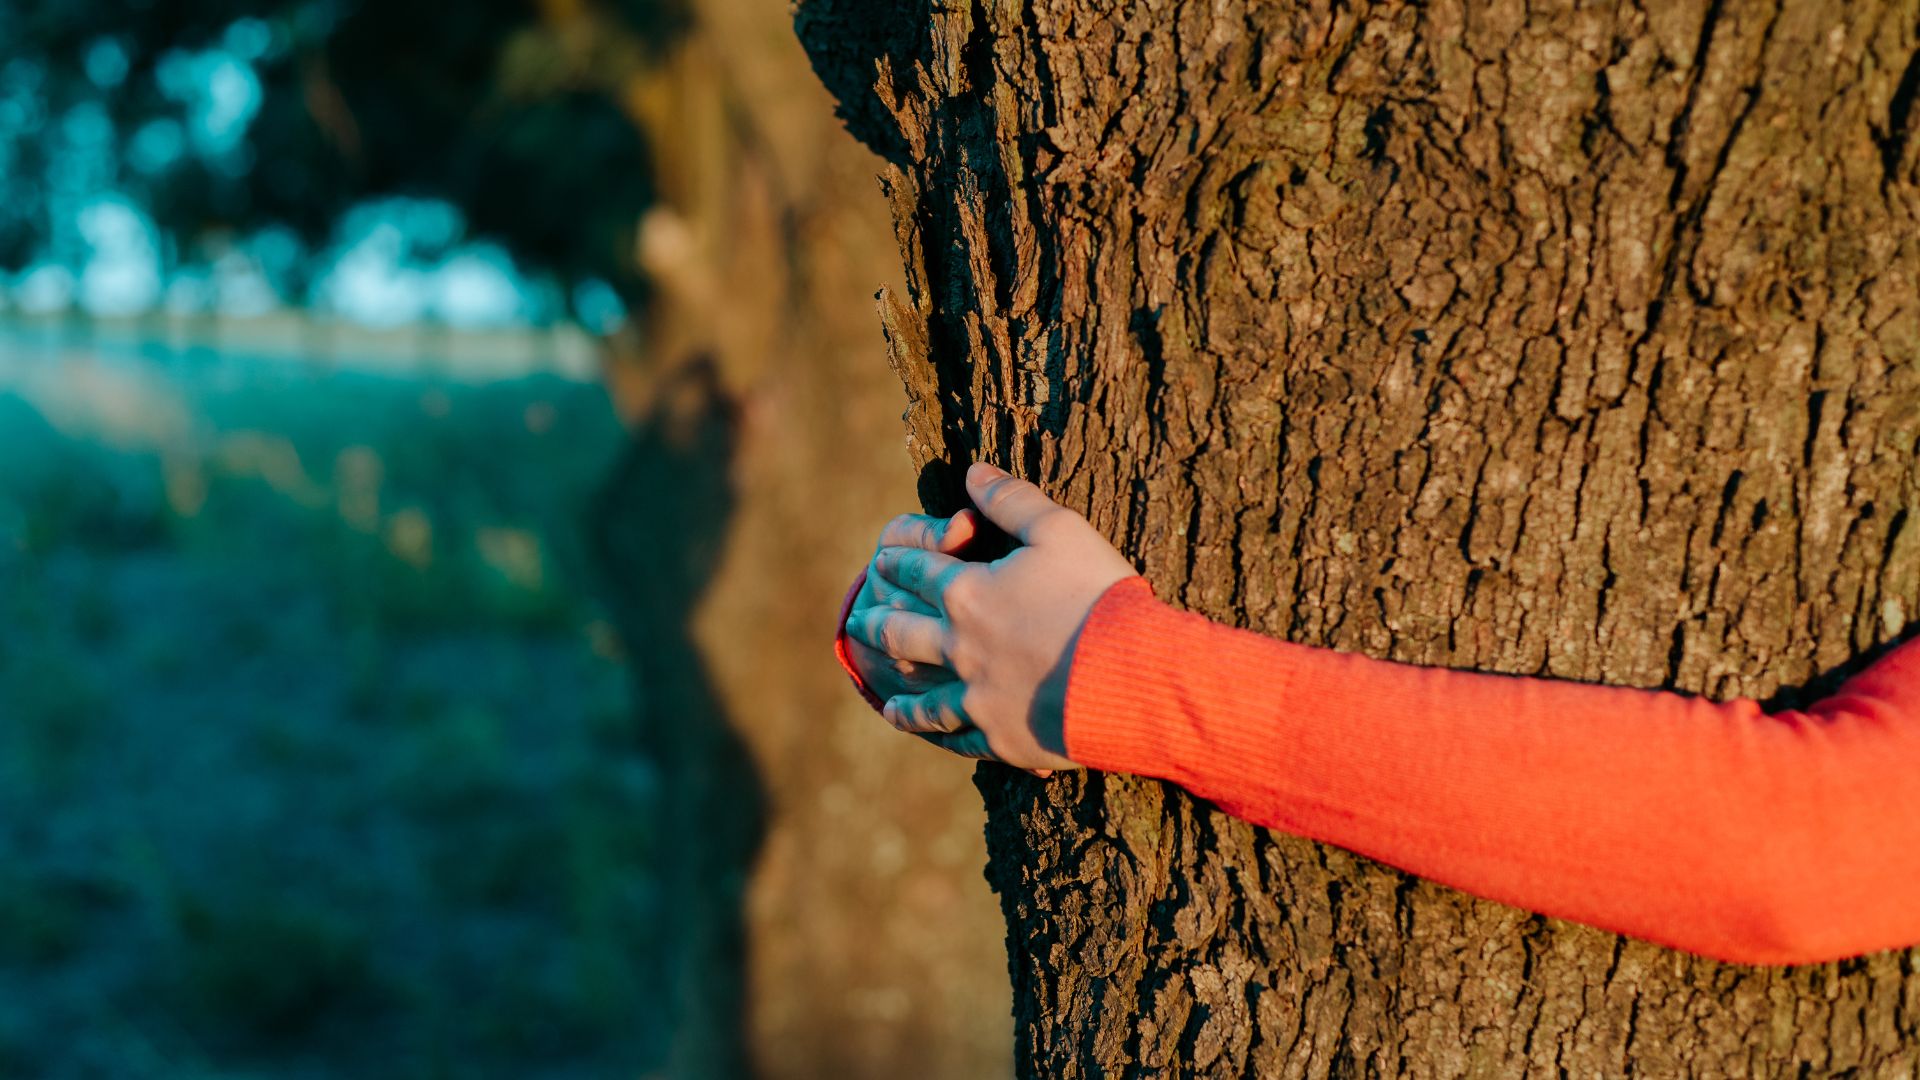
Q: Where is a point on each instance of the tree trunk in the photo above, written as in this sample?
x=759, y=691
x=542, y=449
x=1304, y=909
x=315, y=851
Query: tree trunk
x=816, y=871
x=1579, y=342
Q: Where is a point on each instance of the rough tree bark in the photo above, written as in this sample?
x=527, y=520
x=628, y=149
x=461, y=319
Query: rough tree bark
x=1579, y=341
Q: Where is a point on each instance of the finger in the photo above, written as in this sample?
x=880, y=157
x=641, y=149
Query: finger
x=888, y=594
x=912, y=678
x=1010, y=502
x=902, y=635
x=971, y=743
x=945, y=535
x=913, y=530
x=925, y=574
x=963, y=528
x=939, y=711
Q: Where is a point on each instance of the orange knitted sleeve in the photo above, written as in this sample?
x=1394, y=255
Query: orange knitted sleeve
x=1716, y=828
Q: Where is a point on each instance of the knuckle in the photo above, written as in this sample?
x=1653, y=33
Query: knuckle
x=972, y=705
x=896, y=529
x=962, y=594
x=898, y=712
x=908, y=570
x=909, y=715
x=1017, y=488
x=961, y=655
x=957, y=714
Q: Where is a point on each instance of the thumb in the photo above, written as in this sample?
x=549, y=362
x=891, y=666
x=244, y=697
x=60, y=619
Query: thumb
x=1015, y=505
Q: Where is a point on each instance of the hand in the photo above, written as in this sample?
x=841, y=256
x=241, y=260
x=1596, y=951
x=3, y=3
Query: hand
x=886, y=676
x=1005, y=630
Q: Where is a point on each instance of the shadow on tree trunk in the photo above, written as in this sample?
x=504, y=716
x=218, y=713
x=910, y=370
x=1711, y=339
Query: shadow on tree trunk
x=658, y=527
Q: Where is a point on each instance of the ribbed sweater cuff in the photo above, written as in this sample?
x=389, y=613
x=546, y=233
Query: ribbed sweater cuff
x=1144, y=682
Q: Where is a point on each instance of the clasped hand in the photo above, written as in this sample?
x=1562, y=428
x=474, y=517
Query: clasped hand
x=975, y=656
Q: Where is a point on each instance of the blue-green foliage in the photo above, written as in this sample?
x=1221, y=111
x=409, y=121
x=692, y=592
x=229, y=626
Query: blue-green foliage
x=313, y=761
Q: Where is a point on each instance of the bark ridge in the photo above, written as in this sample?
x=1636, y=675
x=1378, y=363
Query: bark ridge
x=1571, y=340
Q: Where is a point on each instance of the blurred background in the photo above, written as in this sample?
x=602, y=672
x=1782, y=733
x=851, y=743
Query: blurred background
x=433, y=447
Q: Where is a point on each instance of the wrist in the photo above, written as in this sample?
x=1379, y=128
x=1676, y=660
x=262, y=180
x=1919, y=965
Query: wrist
x=1120, y=689
x=1049, y=715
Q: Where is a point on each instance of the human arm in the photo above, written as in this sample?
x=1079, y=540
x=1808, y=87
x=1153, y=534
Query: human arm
x=1715, y=828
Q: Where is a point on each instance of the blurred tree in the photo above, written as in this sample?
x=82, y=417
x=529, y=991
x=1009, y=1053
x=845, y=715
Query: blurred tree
x=1579, y=340
x=761, y=250
x=683, y=153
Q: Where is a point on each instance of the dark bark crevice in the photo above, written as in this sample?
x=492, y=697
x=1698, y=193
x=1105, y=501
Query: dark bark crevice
x=1898, y=133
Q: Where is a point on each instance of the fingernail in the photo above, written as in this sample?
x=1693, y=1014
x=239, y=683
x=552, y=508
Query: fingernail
x=990, y=469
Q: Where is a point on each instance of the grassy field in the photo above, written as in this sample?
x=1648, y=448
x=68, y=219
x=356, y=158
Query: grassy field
x=314, y=757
